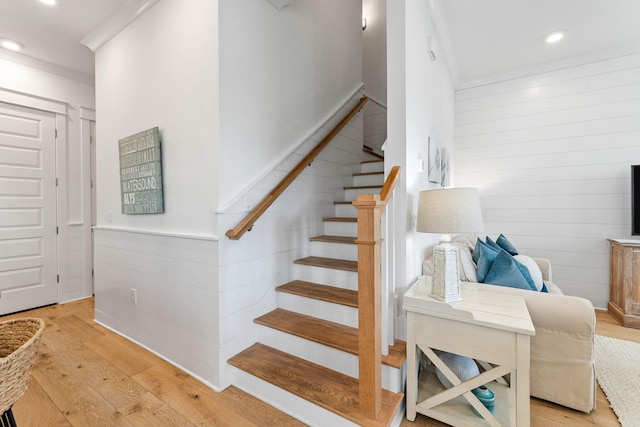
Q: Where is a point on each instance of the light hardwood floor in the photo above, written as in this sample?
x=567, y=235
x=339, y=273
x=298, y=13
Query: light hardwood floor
x=85, y=375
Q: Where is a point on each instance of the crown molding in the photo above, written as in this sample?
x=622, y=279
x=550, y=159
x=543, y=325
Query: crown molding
x=628, y=49
x=118, y=21
x=49, y=67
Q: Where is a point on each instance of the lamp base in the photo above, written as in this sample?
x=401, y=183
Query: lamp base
x=446, y=277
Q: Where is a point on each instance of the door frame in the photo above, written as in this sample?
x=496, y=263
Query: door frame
x=59, y=109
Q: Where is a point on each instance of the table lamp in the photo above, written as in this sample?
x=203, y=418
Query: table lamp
x=448, y=211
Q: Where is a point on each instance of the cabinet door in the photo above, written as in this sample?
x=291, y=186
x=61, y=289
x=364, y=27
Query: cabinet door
x=634, y=282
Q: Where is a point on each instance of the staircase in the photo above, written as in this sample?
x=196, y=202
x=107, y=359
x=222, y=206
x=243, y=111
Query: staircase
x=306, y=358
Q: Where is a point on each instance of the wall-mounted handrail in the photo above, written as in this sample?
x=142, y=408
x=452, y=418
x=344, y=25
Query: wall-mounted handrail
x=370, y=209
x=246, y=224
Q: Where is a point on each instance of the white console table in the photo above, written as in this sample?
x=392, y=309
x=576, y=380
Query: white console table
x=492, y=328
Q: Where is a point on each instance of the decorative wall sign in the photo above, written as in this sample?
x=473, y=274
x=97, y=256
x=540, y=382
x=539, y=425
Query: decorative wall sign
x=444, y=167
x=433, y=172
x=141, y=173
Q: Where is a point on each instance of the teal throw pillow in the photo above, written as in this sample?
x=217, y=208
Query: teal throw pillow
x=475, y=255
x=493, y=244
x=505, y=244
x=505, y=272
x=486, y=256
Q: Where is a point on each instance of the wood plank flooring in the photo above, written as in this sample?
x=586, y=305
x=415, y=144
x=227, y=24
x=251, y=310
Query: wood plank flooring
x=85, y=375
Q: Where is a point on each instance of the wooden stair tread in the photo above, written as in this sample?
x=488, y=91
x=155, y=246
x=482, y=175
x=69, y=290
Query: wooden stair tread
x=335, y=263
x=340, y=219
x=331, y=390
x=370, y=150
x=372, y=161
x=362, y=187
x=367, y=173
x=331, y=334
x=320, y=292
x=343, y=202
x=334, y=239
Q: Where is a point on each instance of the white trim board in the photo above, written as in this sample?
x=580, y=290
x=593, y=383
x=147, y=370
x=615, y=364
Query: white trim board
x=31, y=101
x=157, y=233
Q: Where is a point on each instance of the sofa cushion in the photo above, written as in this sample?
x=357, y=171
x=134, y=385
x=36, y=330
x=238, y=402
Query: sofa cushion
x=505, y=271
x=505, y=244
x=466, y=266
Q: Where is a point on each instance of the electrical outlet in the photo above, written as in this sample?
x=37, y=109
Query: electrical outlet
x=134, y=296
x=110, y=217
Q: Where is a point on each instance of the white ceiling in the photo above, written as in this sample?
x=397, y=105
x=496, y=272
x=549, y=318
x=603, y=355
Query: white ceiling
x=490, y=37
x=487, y=37
x=53, y=33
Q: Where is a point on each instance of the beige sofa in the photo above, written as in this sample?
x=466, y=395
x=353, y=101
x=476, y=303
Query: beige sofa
x=562, y=351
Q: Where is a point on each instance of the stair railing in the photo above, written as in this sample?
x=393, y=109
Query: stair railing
x=370, y=209
x=247, y=223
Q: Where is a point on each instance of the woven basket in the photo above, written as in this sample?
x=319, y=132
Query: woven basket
x=19, y=340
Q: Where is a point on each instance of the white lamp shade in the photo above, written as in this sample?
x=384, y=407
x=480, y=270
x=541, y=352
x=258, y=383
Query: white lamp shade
x=449, y=210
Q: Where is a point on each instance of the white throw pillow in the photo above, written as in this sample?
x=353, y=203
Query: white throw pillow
x=534, y=269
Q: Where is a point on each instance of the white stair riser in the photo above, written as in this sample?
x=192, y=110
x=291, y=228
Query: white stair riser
x=368, y=180
x=328, y=276
x=321, y=309
x=346, y=210
x=328, y=357
x=372, y=167
x=333, y=228
x=288, y=403
x=352, y=193
x=346, y=251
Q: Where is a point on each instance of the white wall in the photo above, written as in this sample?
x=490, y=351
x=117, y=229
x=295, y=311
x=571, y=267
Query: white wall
x=51, y=84
x=279, y=72
x=374, y=52
x=162, y=71
x=550, y=154
x=420, y=103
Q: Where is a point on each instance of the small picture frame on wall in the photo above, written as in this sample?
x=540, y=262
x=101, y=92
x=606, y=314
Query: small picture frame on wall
x=434, y=170
x=444, y=167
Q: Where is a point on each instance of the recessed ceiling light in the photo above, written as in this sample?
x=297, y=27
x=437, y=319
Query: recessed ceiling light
x=11, y=44
x=556, y=36
x=49, y=2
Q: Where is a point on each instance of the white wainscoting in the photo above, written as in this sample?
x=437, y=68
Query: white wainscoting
x=551, y=155
x=175, y=277
x=252, y=267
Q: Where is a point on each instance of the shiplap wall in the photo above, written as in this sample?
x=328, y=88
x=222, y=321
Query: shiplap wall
x=175, y=278
x=251, y=268
x=551, y=155
x=375, y=125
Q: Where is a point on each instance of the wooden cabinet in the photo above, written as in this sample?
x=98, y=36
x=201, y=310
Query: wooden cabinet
x=624, y=282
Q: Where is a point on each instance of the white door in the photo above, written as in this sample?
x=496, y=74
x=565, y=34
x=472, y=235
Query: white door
x=28, y=273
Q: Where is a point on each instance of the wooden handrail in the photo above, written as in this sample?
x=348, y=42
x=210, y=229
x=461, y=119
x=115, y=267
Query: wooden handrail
x=370, y=209
x=246, y=224
x=389, y=184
